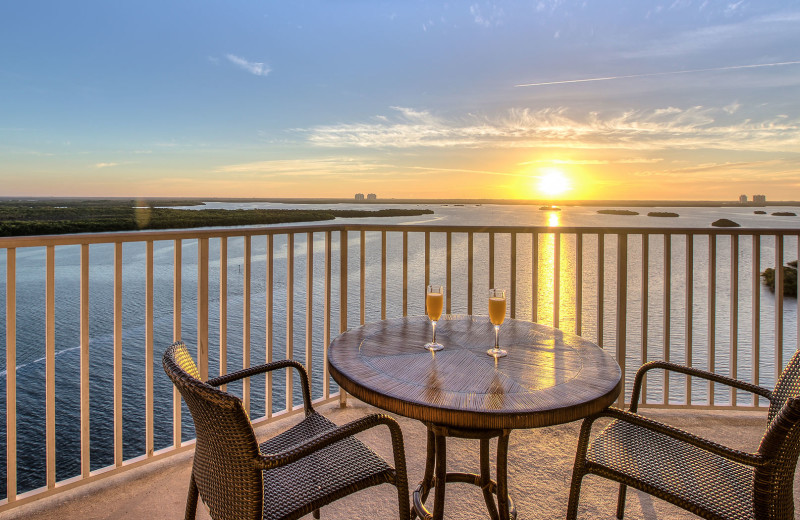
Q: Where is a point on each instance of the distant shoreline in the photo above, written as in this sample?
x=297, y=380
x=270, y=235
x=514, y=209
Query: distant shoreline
x=533, y=202
x=189, y=201
x=54, y=217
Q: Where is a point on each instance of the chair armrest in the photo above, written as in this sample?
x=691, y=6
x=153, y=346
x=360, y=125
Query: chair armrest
x=273, y=460
x=268, y=367
x=695, y=372
x=749, y=459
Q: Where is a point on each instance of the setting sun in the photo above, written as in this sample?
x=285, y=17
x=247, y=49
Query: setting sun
x=552, y=182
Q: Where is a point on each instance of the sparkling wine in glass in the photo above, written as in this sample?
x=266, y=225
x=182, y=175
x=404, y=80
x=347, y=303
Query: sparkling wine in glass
x=497, y=313
x=434, y=299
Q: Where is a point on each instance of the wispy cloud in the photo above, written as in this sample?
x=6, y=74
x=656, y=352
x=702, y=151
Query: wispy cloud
x=733, y=7
x=253, y=67
x=771, y=169
x=488, y=16
x=741, y=34
x=548, y=5
x=667, y=73
x=466, y=170
x=106, y=165
x=325, y=166
x=594, y=162
x=636, y=130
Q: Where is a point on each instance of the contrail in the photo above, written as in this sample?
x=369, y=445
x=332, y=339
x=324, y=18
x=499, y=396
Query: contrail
x=609, y=78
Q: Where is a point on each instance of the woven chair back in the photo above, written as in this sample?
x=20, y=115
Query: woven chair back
x=226, y=447
x=773, y=488
x=774, y=483
x=788, y=386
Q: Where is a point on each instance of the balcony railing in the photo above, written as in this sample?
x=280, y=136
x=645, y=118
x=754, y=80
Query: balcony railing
x=87, y=317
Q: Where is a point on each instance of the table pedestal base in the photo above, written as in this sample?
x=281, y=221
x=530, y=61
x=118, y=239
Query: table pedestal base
x=436, y=475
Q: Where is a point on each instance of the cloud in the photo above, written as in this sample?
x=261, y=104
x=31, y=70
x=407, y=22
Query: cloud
x=771, y=169
x=106, y=165
x=493, y=17
x=548, y=5
x=733, y=7
x=696, y=127
x=594, y=162
x=256, y=68
x=723, y=37
x=665, y=73
x=327, y=166
x=732, y=108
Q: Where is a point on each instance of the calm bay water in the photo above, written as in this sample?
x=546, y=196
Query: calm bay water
x=31, y=304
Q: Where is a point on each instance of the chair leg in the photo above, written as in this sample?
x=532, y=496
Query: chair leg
x=621, y=501
x=315, y=514
x=191, y=500
x=403, y=502
x=574, y=495
x=578, y=470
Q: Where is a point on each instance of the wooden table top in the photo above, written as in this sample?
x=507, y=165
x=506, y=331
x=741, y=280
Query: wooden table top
x=549, y=376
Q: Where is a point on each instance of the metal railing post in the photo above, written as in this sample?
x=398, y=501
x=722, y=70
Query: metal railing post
x=712, y=311
x=11, y=375
x=779, y=278
x=734, y=330
x=756, y=312
x=289, y=319
x=148, y=348
x=223, y=308
x=622, y=310
x=270, y=321
x=343, y=297
x=85, y=373
x=117, y=355
x=645, y=305
x=202, y=307
x=246, y=316
x=177, y=269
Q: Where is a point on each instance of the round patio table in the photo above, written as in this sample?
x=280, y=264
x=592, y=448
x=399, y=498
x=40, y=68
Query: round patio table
x=548, y=377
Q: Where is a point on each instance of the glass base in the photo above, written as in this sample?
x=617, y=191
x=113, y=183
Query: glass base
x=434, y=347
x=497, y=352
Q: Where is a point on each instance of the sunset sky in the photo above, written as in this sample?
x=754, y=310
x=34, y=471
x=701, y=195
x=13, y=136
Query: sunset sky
x=615, y=99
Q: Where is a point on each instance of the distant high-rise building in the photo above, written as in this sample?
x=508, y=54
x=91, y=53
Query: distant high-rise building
x=372, y=196
x=742, y=198
x=759, y=199
x=359, y=196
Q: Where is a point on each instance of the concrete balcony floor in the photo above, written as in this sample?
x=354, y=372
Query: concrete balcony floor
x=539, y=470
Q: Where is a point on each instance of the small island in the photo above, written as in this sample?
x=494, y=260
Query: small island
x=549, y=208
x=662, y=214
x=789, y=278
x=784, y=214
x=760, y=212
x=724, y=222
x=617, y=212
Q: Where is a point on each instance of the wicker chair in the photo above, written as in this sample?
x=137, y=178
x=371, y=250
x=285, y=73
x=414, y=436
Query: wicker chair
x=706, y=478
x=293, y=474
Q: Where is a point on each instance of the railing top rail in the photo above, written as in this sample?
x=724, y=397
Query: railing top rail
x=585, y=230
x=197, y=233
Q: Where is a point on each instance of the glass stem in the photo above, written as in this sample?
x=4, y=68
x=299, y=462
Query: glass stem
x=496, y=334
x=434, y=332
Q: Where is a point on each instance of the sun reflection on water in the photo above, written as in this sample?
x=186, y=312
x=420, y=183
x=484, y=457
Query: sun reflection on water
x=546, y=277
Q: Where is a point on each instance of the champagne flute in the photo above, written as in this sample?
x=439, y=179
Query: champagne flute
x=497, y=313
x=434, y=298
